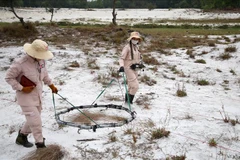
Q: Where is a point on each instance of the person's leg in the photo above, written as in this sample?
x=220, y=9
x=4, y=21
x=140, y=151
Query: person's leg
x=23, y=133
x=33, y=117
x=22, y=140
x=132, y=89
x=133, y=85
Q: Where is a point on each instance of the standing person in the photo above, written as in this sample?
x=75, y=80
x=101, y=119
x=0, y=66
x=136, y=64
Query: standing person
x=129, y=62
x=29, y=97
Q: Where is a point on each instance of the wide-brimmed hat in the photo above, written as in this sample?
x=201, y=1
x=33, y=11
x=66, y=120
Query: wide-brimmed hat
x=38, y=49
x=135, y=35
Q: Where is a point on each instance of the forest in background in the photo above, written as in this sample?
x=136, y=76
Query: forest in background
x=122, y=4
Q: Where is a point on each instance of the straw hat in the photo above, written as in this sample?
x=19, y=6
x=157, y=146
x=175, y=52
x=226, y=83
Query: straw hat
x=134, y=35
x=38, y=49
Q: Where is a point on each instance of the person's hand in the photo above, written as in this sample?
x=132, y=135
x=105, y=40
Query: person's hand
x=121, y=69
x=133, y=66
x=53, y=88
x=28, y=89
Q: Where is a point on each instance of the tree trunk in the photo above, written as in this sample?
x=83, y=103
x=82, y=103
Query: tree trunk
x=20, y=18
x=52, y=11
x=114, y=14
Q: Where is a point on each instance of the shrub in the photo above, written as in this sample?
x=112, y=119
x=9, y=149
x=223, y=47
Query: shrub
x=233, y=72
x=225, y=56
x=200, y=61
x=212, y=143
x=231, y=49
x=202, y=82
x=211, y=44
x=150, y=60
x=181, y=93
x=103, y=79
x=74, y=64
x=143, y=100
x=182, y=157
x=159, y=133
x=92, y=64
x=147, y=80
x=190, y=53
x=113, y=138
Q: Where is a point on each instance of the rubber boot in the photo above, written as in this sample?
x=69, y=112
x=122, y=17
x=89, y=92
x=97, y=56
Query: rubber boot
x=41, y=144
x=126, y=98
x=22, y=140
x=131, y=97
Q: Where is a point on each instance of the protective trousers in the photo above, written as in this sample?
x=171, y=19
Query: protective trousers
x=132, y=80
x=33, y=122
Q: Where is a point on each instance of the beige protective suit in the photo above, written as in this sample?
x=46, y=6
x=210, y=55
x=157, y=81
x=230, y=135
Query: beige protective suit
x=126, y=61
x=31, y=103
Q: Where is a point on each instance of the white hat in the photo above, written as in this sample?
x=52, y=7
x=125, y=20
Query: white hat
x=134, y=35
x=38, y=49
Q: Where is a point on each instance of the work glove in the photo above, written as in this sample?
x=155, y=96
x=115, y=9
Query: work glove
x=121, y=69
x=133, y=66
x=53, y=88
x=28, y=89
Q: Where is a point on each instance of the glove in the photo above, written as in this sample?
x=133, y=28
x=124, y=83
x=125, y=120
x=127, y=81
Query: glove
x=53, y=88
x=121, y=69
x=133, y=66
x=141, y=66
x=28, y=89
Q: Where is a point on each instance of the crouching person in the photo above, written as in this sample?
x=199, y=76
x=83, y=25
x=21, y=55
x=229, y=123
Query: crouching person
x=26, y=75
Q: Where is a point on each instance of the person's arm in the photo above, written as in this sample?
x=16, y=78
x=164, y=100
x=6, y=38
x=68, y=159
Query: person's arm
x=48, y=81
x=11, y=76
x=123, y=56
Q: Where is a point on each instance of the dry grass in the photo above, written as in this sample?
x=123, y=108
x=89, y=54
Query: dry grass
x=16, y=30
x=202, y=61
x=159, y=133
x=147, y=80
x=225, y=56
x=182, y=157
x=231, y=49
x=82, y=119
x=52, y=152
x=147, y=59
x=202, y=82
x=212, y=142
x=91, y=63
x=181, y=91
x=74, y=64
x=104, y=79
x=190, y=53
x=144, y=100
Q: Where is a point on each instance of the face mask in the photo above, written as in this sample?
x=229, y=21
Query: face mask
x=134, y=41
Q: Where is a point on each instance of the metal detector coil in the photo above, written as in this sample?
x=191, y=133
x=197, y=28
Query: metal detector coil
x=97, y=125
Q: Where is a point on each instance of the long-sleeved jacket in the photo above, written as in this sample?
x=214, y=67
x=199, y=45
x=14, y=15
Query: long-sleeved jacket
x=35, y=71
x=126, y=59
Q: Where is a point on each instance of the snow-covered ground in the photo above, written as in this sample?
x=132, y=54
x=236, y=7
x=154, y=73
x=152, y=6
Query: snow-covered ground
x=104, y=16
x=192, y=120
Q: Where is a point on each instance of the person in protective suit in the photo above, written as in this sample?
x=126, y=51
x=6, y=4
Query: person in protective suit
x=130, y=61
x=26, y=75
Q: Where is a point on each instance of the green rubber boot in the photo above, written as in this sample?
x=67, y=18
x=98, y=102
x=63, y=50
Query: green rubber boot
x=22, y=140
